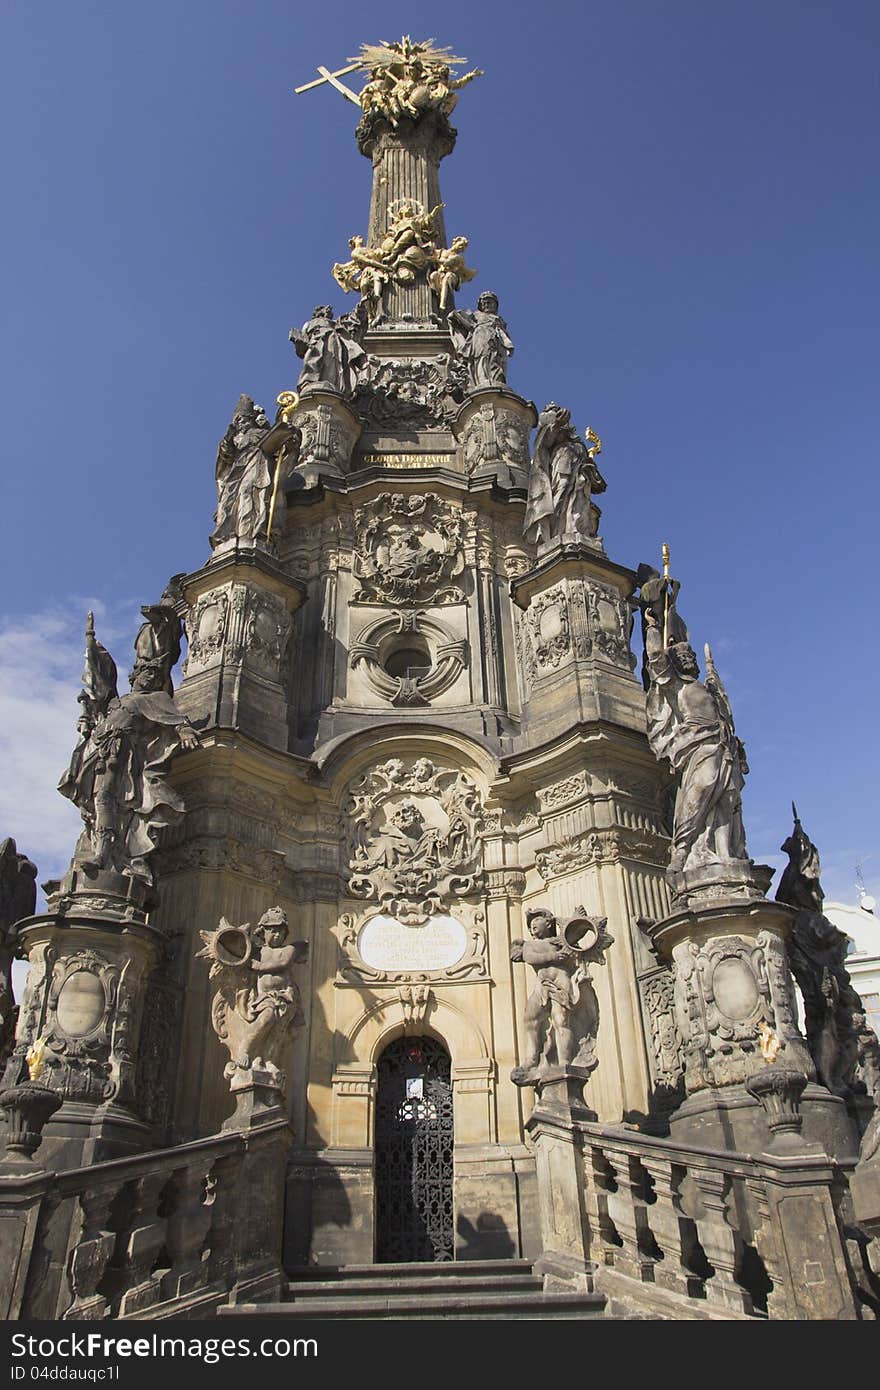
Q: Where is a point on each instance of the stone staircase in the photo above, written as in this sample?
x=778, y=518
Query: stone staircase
x=465, y=1289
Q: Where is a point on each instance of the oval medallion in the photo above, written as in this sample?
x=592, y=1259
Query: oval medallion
x=81, y=1002
x=735, y=988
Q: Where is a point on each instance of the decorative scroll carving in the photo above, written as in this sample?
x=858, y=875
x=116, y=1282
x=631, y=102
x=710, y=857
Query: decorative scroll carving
x=610, y=624
x=495, y=435
x=726, y=988
x=414, y=838
x=409, y=549
x=549, y=628
x=444, y=659
x=580, y=851
x=406, y=391
x=206, y=628
x=563, y=793
x=471, y=964
x=658, y=992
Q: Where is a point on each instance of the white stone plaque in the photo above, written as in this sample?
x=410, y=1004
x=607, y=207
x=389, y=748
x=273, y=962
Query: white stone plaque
x=386, y=944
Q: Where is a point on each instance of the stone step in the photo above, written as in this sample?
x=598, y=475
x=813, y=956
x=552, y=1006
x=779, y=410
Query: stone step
x=466, y=1303
x=393, y=1285
x=415, y=1270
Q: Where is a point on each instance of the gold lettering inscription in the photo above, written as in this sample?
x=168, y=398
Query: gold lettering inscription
x=408, y=460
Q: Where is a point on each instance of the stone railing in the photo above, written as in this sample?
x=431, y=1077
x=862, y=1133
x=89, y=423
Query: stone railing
x=170, y=1233
x=689, y=1232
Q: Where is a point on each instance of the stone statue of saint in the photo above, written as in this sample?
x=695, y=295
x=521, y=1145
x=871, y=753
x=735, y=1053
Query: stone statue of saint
x=244, y=477
x=117, y=773
x=562, y=477
x=657, y=600
x=158, y=640
x=18, y=899
x=562, y=1011
x=691, y=724
x=256, y=1006
x=482, y=342
x=841, y=1042
x=331, y=350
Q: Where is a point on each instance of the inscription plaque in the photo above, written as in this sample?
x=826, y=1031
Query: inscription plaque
x=385, y=943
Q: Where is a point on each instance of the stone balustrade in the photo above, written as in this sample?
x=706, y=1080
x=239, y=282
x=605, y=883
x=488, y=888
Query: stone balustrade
x=709, y=1233
x=170, y=1233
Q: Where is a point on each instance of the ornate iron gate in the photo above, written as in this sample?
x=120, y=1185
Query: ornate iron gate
x=414, y=1152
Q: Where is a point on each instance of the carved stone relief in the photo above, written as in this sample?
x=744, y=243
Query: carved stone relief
x=445, y=658
x=240, y=623
x=580, y=851
x=658, y=994
x=414, y=840
x=563, y=793
x=405, y=391
x=610, y=619
x=206, y=629
x=495, y=435
x=725, y=989
x=548, y=625
x=408, y=549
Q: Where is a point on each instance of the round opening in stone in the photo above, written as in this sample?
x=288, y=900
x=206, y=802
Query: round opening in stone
x=411, y=661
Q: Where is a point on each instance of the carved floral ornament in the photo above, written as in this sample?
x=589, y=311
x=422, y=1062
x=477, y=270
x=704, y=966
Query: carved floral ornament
x=408, y=549
x=414, y=841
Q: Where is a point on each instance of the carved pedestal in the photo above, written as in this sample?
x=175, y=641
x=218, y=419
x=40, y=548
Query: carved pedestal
x=238, y=629
x=576, y=616
x=731, y=976
x=91, y=958
x=492, y=428
x=562, y=1185
x=330, y=430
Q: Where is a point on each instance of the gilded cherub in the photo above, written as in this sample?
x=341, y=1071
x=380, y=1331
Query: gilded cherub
x=451, y=271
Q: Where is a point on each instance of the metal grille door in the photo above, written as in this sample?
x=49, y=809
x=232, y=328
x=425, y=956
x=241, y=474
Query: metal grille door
x=414, y=1152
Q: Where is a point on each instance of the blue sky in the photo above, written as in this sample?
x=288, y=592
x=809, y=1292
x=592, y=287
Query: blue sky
x=677, y=205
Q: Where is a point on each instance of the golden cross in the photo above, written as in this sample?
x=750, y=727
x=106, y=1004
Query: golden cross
x=332, y=78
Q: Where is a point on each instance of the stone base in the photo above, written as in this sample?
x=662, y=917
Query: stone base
x=80, y=1134
x=728, y=1118
x=710, y=885
x=259, y=1100
x=864, y=1186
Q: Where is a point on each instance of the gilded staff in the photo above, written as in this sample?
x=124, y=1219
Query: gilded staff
x=664, y=550
x=288, y=402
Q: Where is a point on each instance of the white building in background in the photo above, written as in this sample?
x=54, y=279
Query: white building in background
x=862, y=925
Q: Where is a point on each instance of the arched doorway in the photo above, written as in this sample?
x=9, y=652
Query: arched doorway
x=414, y=1137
